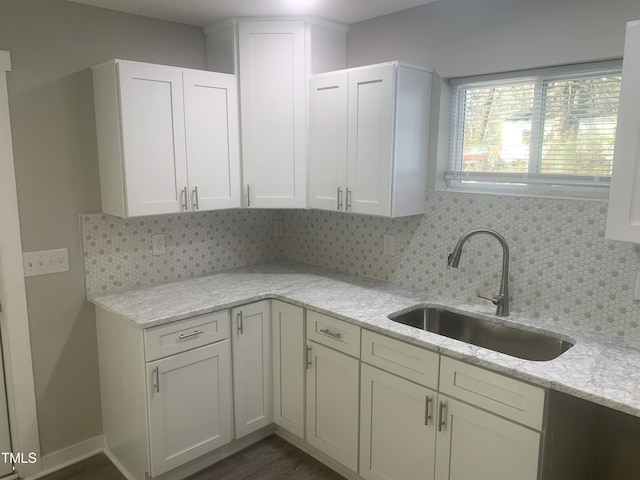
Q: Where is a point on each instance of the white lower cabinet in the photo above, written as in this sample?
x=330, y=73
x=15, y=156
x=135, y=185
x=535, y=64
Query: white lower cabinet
x=333, y=380
x=166, y=391
x=382, y=408
x=397, y=428
x=287, y=327
x=332, y=404
x=251, y=338
x=473, y=444
x=189, y=405
x=411, y=428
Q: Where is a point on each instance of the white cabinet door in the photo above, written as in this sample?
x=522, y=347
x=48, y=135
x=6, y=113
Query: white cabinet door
x=212, y=139
x=189, y=405
x=328, y=141
x=333, y=404
x=370, y=145
x=153, y=138
x=273, y=79
x=288, y=366
x=475, y=444
x=397, y=428
x=623, y=221
x=251, y=337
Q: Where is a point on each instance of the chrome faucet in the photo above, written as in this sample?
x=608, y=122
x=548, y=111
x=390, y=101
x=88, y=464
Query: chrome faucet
x=502, y=299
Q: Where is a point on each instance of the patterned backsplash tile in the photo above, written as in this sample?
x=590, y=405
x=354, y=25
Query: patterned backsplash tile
x=561, y=265
x=118, y=255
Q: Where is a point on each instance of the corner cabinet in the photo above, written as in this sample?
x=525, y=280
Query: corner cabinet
x=176, y=126
x=273, y=59
x=623, y=222
x=288, y=366
x=368, y=139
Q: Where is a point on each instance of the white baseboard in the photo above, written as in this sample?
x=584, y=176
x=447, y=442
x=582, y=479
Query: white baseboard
x=68, y=456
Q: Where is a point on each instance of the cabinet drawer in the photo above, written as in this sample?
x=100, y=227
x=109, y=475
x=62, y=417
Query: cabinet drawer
x=408, y=361
x=333, y=333
x=496, y=393
x=184, y=335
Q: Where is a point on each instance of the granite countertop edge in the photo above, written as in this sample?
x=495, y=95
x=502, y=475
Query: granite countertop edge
x=598, y=368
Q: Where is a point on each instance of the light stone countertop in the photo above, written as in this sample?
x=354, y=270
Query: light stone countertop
x=598, y=368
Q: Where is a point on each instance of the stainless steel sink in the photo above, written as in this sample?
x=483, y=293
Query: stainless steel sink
x=501, y=338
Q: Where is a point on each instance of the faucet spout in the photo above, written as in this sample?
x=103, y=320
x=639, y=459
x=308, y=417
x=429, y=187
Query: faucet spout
x=502, y=299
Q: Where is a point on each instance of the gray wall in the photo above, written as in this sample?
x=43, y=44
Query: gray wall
x=462, y=37
x=53, y=43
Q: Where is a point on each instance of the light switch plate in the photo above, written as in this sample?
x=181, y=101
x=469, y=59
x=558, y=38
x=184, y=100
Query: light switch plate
x=45, y=262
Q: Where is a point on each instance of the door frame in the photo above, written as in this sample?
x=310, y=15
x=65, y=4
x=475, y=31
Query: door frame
x=14, y=321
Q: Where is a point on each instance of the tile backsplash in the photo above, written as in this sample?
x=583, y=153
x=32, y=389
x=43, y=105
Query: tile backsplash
x=118, y=256
x=561, y=265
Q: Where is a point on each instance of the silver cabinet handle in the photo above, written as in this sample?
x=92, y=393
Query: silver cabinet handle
x=349, y=194
x=190, y=335
x=196, y=201
x=427, y=413
x=156, y=386
x=339, y=199
x=441, y=418
x=248, y=195
x=185, y=204
x=326, y=331
x=240, y=323
x=308, y=357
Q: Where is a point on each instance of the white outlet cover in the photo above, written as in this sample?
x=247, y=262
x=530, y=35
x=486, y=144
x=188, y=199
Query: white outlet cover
x=158, y=245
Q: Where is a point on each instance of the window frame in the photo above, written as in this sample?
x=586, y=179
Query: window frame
x=535, y=184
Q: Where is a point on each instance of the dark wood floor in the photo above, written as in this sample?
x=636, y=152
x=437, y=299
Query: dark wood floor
x=269, y=459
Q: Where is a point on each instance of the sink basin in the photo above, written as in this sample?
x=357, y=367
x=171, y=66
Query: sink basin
x=494, y=336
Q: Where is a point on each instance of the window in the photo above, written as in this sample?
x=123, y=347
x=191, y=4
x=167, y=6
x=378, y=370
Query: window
x=548, y=132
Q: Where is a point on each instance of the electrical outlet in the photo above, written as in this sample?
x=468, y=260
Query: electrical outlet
x=45, y=262
x=278, y=228
x=389, y=245
x=158, y=244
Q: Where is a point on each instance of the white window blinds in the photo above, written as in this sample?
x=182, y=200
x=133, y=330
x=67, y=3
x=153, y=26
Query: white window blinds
x=545, y=131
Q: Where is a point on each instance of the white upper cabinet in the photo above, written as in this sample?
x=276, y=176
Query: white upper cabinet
x=328, y=96
x=368, y=139
x=167, y=139
x=213, y=144
x=273, y=60
x=272, y=88
x=624, y=202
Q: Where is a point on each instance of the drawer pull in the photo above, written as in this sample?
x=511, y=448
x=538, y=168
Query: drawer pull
x=427, y=413
x=441, y=419
x=184, y=336
x=326, y=331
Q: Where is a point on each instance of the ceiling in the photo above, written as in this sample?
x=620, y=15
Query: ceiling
x=205, y=13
